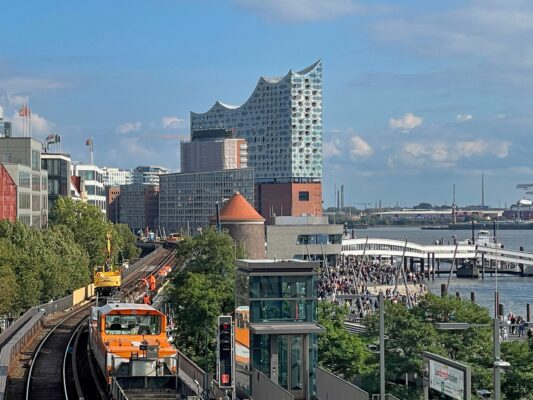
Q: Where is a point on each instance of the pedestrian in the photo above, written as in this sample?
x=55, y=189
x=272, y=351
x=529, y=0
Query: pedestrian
x=151, y=280
x=146, y=299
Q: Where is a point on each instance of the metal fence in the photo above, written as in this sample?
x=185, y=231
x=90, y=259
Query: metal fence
x=263, y=388
x=191, y=375
x=331, y=387
x=14, y=338
x=387, y=397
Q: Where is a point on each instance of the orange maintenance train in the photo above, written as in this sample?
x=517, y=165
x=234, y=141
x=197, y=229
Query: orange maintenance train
x=129, y=340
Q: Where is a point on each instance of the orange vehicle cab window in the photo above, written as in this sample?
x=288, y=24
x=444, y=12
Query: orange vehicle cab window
x=133, y=324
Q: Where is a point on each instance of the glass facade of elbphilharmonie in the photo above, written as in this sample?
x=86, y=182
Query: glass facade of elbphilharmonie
x=282, y=123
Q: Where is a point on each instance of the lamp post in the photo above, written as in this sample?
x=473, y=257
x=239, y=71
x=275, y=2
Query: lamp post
x=381, y=347
x=498, y=363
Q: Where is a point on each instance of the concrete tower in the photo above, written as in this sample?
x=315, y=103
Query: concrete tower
x=244, y=225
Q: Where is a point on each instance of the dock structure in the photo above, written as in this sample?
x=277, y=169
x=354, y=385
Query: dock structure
x=490, y=256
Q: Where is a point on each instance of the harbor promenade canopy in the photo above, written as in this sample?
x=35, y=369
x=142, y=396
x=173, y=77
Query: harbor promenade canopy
x=375, y=247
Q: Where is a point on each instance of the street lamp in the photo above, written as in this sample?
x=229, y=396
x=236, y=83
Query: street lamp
x=498, y=364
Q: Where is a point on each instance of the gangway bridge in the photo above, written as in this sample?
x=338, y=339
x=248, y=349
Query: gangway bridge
x=490, y=254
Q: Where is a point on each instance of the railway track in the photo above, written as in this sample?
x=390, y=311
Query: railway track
x=62, y=366
x=46, y=375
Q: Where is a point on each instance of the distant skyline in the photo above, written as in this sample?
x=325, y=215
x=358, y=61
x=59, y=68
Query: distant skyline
x=417, y=95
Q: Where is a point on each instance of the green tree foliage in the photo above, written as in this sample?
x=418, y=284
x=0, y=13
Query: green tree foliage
x=518, y=380
x=126, y=241
x=41, y=265
x=90, y=228
x=340, y=352
x=200, y=290
x=410, y=332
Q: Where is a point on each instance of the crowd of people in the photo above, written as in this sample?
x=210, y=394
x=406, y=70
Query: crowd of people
x=514, y=325
x=364, y=280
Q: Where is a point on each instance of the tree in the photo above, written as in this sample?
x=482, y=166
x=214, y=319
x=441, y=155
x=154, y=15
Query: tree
x=126, y=241
x=200, y=290
x=412, y=331
x=339, y=351
x=518, y=380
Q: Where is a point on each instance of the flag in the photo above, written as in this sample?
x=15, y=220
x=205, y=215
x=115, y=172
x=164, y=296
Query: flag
x=24, y=111
x=50, y=138
x=57, y=138
x=89, y=142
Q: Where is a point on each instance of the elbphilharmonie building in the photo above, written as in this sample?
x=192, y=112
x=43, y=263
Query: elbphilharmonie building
x=282, y=124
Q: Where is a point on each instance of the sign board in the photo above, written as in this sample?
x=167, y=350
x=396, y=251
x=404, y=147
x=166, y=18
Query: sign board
x=447, y=376
x=447, y=380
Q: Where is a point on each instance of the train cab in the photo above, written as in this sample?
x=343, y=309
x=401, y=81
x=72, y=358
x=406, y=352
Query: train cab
x=130, y=339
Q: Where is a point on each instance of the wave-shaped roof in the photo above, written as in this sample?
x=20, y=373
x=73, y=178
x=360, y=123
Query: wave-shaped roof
x=268, y=80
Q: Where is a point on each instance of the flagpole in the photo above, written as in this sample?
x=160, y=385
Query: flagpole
x=92, y=151
x=29, y=117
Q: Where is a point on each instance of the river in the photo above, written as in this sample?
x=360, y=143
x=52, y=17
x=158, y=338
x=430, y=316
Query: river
x=515, y=292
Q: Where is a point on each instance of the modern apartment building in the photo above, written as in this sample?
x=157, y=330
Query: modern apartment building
x=117, y=177
x=148, y=174
x=282, y=124
x=213, y=150
x=58, y=166
x=92, y=177
x=21, y=157
x=187, y=201
x=139, y=206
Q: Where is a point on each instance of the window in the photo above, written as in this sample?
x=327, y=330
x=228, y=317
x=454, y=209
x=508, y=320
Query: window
x=303, y=196
x=24, y=179
x=24, y=201
x=133, y=324
x=35, y=160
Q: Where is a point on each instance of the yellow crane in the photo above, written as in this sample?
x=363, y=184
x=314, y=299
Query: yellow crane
x=107, y=278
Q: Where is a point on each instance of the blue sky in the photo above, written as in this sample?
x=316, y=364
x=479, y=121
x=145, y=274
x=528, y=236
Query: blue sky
x=418, y=95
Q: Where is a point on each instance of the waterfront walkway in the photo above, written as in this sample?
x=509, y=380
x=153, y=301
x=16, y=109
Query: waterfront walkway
x=491, y=255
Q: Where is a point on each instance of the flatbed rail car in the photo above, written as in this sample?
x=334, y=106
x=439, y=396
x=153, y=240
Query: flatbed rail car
x=129, y=340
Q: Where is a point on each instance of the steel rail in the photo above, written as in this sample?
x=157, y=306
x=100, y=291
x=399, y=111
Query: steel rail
x=42, y=343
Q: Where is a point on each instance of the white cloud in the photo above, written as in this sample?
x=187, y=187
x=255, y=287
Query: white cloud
x=128, y=127
x=330, y=149
x=472, y=147
x=360, y=148
x=16, y=84
x=18, y=99
x=501, y=149
x=407, y=122
x=463, y=117
x=172, y=122
x=301, y=10
x=39, y=124
x=443, y=154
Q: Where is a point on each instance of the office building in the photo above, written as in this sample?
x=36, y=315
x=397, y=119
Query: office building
x=139, y=206
x=187, y=201
x=282, y=124
x=117, y=177
x=148, y=174
x=93, y=181
x=8, y=196
x=21, y=157
x=112, y=195
x=213, y=150
x=276, y=327
x=304, y=238
x=58, y=166
x=6, y=128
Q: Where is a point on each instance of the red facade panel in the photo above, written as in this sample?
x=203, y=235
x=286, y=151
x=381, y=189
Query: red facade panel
x=8, y=196
x=288, y=199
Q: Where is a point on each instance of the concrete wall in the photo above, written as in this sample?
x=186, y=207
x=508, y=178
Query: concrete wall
x=264, y=389
x=282, y=239
x=331, y=387
x=251, y=236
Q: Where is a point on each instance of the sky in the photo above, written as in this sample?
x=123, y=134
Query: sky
x=417, y=95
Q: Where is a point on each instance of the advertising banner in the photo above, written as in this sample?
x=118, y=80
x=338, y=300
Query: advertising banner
x=447, y=380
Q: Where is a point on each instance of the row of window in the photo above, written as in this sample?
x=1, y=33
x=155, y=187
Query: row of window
x=319, y=239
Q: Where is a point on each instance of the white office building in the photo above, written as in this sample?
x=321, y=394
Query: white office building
x=117, y=177
x=93, y=178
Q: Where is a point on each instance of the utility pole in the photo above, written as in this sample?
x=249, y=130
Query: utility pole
x=497, y=358
x=381, y=347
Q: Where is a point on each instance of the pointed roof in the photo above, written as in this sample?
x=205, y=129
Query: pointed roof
x=238, y=209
